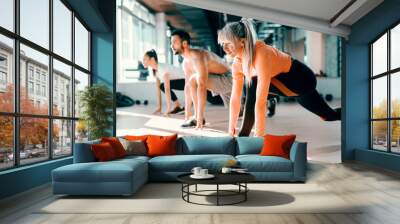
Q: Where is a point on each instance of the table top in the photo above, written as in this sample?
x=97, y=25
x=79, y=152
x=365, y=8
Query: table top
x=220, y=178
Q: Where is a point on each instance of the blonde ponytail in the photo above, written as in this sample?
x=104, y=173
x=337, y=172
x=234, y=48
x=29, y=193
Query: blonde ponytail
x=249, y=46
x=237, y=30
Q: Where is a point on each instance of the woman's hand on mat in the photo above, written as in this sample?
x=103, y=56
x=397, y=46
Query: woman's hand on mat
x=232, y=132
x=167, y=112
x=157, y=111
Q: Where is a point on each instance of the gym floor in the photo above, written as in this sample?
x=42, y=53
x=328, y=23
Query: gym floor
x=323, y=137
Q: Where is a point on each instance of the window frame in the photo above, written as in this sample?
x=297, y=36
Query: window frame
x=16, y=114
x=388, y=74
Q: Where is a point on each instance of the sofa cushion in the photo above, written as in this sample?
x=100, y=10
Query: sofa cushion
x=161, y=145
x=249, y=145
x=134, y=147
x=83, y=152
x=103, y=152
x=257, y=163
x=185, y=163
x=133, y=158
x=275, y=145
x=197, y=145
x=112, y=171
x=137, y=137
x=116, y=145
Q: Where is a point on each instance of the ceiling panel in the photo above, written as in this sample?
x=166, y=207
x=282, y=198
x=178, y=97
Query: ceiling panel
x=325, y=16
x=321, y=9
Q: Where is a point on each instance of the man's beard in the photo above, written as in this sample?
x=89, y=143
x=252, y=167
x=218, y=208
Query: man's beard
x=177, y=51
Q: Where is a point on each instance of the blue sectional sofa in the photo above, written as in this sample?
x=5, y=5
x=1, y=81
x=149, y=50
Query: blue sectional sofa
x=125, y=176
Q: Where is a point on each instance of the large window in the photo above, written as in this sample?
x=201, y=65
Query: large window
x=137, y=32
x=34, y=24
x=40, y=80
x=81, y=45
x=7, y=14
x=385, y=92
x=62, y=44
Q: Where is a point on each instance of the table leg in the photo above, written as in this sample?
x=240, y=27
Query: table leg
x=188, y=190
x=182, y=188
x=245, y=193
x=217, y=194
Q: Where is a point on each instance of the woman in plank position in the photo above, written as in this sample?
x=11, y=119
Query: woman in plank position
x=168, y=77
x=266, y=70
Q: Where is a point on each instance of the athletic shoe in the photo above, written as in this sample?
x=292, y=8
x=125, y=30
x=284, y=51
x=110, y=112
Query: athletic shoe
x=191, y=123
x=177, y=110
x=181, y=112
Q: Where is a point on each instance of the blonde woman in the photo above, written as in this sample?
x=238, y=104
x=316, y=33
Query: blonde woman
x=266, y=70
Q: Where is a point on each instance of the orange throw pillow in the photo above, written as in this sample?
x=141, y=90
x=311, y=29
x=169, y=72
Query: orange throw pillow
x=136, y=138
x=275, y=145
x=103, y=152
x=161, y=145
x=116, y=145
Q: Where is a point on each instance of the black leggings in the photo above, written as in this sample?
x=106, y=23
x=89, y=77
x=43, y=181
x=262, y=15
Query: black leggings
x=300, y=80
x=177, y=84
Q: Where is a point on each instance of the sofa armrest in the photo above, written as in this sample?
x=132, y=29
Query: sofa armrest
x=298, y=155
x=83, y=152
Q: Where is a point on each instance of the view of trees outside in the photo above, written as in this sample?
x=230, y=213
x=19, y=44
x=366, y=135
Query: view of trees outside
x=379, y=128
x=81, y=131
x=33, y=131
x=395, y=111
x=6, y=141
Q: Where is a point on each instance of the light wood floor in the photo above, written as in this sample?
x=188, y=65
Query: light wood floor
x=376, y=189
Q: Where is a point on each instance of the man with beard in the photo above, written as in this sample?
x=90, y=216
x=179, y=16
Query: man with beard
x=203, y=70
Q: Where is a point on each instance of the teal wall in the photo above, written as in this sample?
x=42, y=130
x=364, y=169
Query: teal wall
x=356, y=103
x=24, y=178
x=104, y=52
x=103, y=66
x=102, y=58
x=99, y=16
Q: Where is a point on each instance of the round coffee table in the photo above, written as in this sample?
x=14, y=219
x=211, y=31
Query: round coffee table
x=238, y=179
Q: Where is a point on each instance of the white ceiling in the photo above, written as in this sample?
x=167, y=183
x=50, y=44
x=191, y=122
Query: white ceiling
x=321, y=9
x=314, y=15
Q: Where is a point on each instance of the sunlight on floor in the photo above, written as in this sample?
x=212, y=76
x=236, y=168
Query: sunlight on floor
x=165, y=125
x=323, y=138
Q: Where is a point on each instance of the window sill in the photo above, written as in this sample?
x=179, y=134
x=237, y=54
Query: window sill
x=30, y=166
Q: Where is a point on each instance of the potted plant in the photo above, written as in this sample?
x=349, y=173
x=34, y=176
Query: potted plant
x=96, y=104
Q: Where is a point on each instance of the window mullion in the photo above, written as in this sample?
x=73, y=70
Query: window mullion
x=389, y=106
x=50, y=81
x=73, y=81
x=16, y=84
x=371, y=89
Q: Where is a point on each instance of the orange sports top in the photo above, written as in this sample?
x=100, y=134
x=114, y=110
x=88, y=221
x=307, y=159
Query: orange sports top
x=268, y=62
